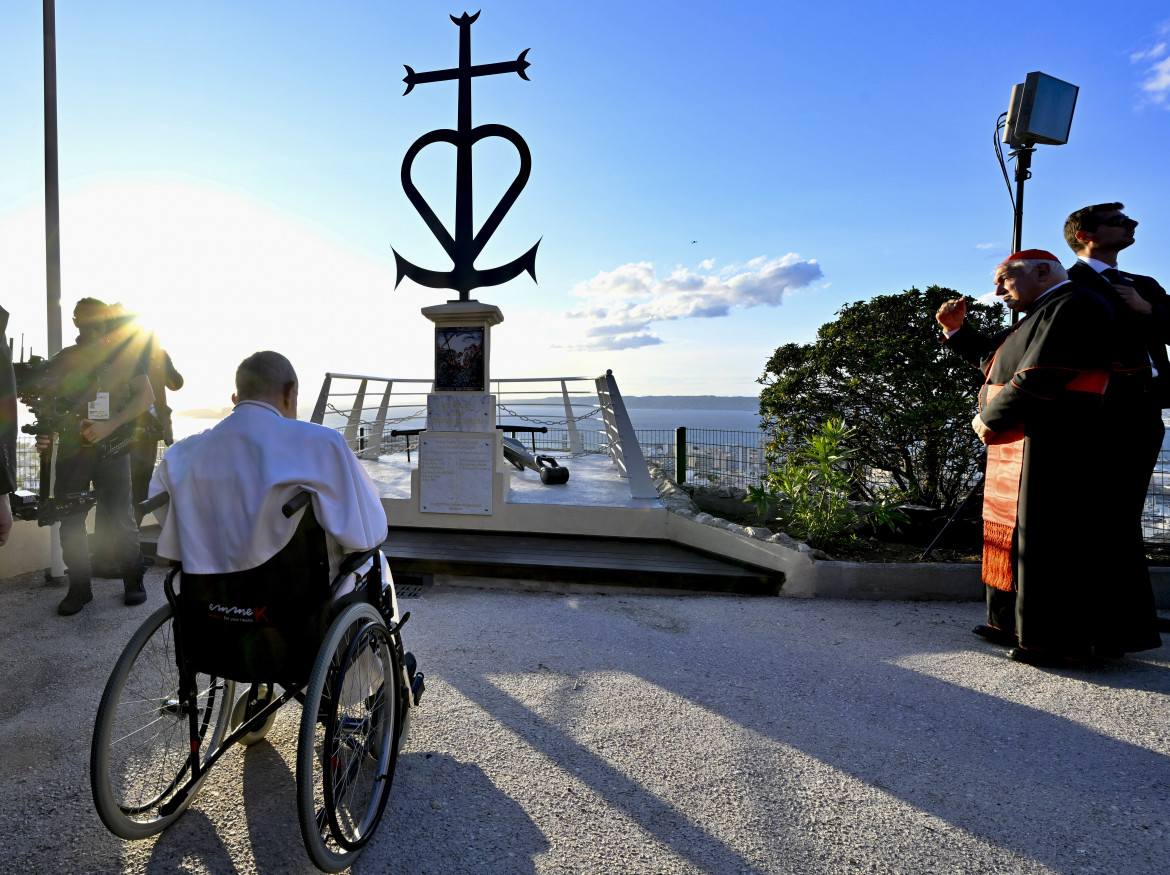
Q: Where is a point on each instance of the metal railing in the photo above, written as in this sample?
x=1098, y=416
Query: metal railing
x=710, y=456
x=369, y=427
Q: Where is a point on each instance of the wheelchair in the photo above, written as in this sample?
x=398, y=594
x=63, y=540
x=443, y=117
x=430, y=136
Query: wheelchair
x=278, y=632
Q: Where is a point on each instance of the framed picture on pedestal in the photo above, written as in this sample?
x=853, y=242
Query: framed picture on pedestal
x=459, y=361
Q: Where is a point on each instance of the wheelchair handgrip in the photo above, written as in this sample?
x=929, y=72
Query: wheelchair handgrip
x=154, y=502
x=296, y=503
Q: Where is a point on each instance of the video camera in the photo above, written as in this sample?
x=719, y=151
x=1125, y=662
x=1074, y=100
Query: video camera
x=46, y=511
x=37, y=386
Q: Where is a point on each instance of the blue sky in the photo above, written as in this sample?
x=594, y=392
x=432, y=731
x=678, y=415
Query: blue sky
x=709, y=181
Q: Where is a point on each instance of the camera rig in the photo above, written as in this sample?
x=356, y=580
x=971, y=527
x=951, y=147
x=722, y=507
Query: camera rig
x=54, y=412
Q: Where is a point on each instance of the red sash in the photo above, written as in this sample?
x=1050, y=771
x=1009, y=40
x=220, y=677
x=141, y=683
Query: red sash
x=1001, y=485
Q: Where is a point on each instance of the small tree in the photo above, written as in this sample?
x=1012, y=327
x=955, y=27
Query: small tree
x=880, y=367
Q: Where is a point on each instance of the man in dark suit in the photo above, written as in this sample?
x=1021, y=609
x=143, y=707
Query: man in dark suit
x=1140, y=385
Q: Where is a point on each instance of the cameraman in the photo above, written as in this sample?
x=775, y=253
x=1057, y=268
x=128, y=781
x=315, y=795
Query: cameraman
x=105, y=390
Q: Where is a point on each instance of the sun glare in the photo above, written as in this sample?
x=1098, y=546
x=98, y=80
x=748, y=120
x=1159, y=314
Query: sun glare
x=218, y=277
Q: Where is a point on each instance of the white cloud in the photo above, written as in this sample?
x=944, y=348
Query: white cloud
x=1150, y=54
x=986, y=245
x=1155, y=86
x=622, y=304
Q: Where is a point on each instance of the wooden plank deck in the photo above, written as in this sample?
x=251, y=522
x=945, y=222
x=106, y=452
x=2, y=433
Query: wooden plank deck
x=571, y=559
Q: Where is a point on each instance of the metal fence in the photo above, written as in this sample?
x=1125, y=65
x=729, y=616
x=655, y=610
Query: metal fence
x=708, y=456
x=1156, y=513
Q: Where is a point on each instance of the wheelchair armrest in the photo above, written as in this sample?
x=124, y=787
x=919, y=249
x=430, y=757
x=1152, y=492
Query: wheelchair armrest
x=154, y=502
x=354, y=561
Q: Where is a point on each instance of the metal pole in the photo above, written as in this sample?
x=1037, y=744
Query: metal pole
x=680, y=454
x=52, y=199
x=1023, y=172
x=56, y=569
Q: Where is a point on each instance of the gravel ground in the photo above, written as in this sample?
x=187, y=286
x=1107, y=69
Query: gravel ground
x=643, y=734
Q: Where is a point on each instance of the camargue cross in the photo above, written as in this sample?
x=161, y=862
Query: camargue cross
x=465, y=246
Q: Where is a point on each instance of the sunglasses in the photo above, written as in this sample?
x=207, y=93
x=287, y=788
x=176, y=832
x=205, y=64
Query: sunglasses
x=1118, y=222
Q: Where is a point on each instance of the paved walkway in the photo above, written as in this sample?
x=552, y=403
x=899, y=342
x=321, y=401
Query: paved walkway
x=644, y=734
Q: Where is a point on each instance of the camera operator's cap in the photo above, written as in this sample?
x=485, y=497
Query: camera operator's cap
x=1031, y=255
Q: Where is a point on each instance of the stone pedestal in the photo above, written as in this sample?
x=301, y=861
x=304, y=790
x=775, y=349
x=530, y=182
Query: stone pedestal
x=461, y=467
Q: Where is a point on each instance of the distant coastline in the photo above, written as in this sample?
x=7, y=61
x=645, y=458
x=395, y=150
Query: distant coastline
x=677, y=402
x=693, y=402
x=204, y=413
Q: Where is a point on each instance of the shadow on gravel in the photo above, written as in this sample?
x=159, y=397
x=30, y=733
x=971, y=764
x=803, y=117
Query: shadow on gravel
x=1019, y=777
x=659, y=819
x=270, y=805
x=264, y=804
x=172, y=852
x=477, y=828
x=1133, y=673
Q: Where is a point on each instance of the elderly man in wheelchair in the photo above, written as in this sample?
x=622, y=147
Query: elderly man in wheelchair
x=273, y=529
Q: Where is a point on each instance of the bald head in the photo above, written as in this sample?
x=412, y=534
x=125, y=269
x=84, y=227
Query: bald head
x=269, y=377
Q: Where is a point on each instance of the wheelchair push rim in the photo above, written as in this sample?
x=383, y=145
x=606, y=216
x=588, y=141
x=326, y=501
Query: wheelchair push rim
x=348, y=744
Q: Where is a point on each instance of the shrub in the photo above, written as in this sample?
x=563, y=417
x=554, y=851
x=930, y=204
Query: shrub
x=811, y=490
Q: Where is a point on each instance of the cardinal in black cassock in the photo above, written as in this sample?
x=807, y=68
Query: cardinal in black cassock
x=1054, y=583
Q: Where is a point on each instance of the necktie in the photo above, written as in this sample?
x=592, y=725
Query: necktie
x=1112, y=274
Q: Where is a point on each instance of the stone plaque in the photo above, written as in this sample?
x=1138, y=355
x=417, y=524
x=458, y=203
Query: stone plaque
x=455, y=474
x=448, y=412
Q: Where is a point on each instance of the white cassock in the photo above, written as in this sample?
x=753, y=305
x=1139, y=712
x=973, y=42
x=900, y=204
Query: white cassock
x=228, y=484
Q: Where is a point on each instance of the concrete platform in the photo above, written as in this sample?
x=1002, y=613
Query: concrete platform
x=596, y=501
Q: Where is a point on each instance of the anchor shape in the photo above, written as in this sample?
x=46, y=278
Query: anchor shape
x=466, y=245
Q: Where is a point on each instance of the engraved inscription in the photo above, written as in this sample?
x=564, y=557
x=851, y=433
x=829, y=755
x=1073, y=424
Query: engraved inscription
x=470, y=412
x=455, y=475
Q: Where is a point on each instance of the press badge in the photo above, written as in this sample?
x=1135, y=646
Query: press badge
x=99, y=408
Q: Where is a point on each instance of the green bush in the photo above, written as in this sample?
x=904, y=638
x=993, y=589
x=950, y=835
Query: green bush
x=811, y=490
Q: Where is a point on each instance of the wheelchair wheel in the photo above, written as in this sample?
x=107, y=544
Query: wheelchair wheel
x=347, y=748
x=265, y=695
x=141, y=742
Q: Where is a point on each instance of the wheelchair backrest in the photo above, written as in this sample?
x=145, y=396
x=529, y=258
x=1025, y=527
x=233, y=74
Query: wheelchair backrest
x=263, y=624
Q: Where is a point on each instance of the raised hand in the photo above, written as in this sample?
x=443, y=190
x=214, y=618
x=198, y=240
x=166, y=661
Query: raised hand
x=951, y=314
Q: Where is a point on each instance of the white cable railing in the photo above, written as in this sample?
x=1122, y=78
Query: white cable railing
x=368, y=409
